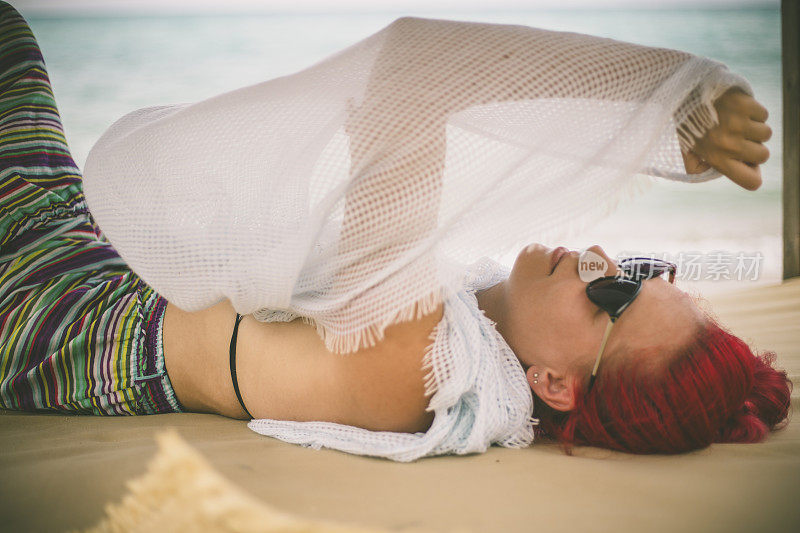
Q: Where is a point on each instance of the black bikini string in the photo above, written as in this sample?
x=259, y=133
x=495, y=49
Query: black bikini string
x=233, y=364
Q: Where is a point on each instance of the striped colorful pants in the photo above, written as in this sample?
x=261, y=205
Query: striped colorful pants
x=80, y=332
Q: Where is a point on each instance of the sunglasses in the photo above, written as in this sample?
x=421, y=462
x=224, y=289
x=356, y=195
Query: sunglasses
x=613, y=294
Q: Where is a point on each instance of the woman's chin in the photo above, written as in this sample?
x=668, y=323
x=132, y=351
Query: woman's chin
x=536, y=246
x=533, y=262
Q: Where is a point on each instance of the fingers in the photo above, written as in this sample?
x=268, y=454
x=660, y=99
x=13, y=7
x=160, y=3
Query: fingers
x=738, y=100
x=757, y=111
x=741, y=165
x=753, y=153
x=757, y=131
x=744, y=175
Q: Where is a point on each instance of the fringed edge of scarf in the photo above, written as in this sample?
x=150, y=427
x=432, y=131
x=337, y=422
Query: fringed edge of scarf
x=429, y=380
x=699, y=120
x=371, y=334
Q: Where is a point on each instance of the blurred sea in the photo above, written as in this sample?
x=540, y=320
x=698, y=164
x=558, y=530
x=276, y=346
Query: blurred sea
x=103, y=67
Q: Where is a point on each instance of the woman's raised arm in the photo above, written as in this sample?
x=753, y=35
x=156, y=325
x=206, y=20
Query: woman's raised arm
x=403, y=130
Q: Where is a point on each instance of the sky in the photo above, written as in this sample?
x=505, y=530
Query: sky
x=329, y=6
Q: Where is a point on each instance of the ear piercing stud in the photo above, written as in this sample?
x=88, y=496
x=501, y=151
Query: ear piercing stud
x=536, y=375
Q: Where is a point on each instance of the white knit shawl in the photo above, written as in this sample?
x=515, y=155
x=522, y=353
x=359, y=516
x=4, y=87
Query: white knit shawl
x=480, y=397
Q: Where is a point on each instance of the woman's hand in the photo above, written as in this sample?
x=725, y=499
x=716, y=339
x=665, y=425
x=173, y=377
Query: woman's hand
x=734, y=146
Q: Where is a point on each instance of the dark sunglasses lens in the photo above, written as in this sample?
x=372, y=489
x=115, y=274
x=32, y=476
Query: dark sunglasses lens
x=611, y=294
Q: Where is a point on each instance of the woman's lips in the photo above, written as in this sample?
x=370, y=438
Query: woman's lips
x=555, y=257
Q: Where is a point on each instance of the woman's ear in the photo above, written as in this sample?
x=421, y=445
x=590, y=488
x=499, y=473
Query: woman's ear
x=551, y=387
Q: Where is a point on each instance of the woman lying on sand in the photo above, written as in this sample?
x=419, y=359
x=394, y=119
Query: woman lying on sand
x=627, y=361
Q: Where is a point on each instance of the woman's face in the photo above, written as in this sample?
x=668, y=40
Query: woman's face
x=556, y=331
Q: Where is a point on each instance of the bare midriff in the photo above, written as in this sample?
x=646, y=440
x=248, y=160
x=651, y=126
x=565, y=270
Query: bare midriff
x=285, y=372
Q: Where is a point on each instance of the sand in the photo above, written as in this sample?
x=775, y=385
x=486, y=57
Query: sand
x=59, y=472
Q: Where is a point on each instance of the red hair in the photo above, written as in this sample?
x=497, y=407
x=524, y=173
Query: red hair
x=713, y=390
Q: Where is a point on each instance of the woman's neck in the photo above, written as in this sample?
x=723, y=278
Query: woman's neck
x=492, y=301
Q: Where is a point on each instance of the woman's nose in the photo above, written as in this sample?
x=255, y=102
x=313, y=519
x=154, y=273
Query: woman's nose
x=611, y=268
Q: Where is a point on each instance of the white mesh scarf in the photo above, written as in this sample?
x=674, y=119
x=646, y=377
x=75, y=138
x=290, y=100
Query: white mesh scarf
x=477, y=388
x=353, y=192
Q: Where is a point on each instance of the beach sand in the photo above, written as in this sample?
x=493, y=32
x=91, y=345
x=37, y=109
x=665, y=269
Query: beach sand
x=58, y=472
